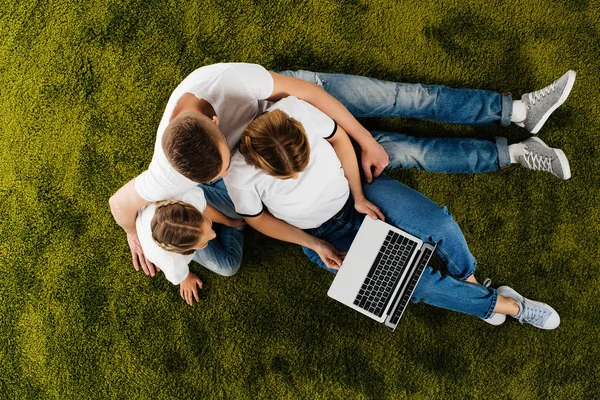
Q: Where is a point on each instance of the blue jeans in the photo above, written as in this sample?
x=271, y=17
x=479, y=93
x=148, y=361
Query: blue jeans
x=368, y=97
x=416, y=214
x=223, y=254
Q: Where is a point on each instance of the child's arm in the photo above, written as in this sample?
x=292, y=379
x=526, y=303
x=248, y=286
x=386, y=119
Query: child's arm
x=345, y=152
x=188, y=288
x=217, y=216
x=271, y=226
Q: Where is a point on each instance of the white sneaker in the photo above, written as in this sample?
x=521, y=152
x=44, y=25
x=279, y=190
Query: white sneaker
x=535, y=313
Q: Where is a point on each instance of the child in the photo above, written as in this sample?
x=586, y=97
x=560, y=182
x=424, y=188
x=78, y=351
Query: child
x=175, y=232
x=296, y=178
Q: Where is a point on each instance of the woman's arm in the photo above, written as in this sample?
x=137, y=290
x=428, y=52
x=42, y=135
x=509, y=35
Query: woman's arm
x=273, y=227
x=345, y=152
x=374, y=157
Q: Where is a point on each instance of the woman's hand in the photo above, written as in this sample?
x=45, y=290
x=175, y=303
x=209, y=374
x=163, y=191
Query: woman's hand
x=188, y=289
x=364, y=206
x=329, y=255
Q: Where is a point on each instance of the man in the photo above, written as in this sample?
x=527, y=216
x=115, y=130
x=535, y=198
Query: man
x=223, y=98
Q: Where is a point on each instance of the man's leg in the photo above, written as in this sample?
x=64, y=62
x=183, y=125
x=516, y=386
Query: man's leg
x=223, y=254
x=471, y=156
x=450, y=155
x=368, y=97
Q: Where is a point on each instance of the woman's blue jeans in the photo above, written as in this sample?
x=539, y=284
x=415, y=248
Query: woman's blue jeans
x=368, y=97
x=416, y=214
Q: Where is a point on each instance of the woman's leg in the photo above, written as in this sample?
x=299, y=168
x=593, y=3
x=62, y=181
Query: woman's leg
x=368, y=97
x=447, y=292
x=418, y=215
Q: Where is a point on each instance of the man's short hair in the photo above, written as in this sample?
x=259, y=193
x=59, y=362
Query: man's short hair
x=191, y=145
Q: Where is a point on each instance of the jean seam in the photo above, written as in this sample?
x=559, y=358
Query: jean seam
x=490, y=309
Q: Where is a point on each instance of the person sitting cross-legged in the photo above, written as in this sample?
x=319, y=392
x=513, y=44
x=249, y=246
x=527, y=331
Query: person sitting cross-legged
x=295, y=178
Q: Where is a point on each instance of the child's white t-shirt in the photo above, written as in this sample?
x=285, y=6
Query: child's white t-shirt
x=234, y=91
x=319, y=192
x=175, y=266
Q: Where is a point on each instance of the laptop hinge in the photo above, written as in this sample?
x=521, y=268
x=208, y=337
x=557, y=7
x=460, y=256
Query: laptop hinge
x=414, y=266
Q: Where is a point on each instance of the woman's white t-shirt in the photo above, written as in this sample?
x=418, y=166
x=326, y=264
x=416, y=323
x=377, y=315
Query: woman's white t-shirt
x=234, y=91
x=319, y=192
x=175, y=266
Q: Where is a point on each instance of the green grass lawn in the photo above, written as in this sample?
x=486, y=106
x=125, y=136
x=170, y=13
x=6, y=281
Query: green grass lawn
x=83, y=86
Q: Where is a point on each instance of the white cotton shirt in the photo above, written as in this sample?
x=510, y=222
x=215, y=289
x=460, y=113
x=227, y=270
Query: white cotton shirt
x=175, y=266
x=234, y=91
x=319, y=192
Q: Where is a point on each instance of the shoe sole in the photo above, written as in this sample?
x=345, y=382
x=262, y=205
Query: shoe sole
x=566, y=169
x=563, y=97
x=492, y=321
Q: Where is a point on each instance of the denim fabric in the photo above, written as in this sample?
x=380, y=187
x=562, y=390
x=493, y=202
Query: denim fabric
x=416, y=214
x=448, y=155
x=368, y=97
x=223, y=254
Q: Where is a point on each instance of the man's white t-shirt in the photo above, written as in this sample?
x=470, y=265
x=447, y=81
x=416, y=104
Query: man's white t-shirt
x=175, y=266
x=234, y=91
x=319, y=192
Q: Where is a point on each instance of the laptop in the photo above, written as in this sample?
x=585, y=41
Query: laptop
x=380, y=271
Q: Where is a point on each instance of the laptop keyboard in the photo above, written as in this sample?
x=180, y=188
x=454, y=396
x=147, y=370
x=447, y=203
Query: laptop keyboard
x=410, y=288
x=376, y=291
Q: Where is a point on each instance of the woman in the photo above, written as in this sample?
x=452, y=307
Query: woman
x=296, y=178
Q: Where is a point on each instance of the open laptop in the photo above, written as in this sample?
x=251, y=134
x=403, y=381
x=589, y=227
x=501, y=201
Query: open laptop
x=380, y=271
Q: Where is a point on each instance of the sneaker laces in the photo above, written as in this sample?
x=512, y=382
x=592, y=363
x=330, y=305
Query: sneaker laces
x=537, y=162
x=539, y=94
x=533, y=315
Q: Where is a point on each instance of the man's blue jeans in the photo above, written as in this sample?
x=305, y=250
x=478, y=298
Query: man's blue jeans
x=368, y=97
x=416, y=214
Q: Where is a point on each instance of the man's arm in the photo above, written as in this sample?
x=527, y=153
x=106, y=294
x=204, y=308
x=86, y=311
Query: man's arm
x=273, y=227
x=343, y=148
x=374, y=158
x=124, y=205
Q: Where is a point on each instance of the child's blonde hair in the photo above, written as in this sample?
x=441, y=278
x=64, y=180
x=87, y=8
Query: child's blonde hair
x=277, y=144
x=177, y=226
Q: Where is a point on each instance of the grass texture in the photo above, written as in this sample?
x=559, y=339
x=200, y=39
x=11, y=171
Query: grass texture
x=83, y=86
